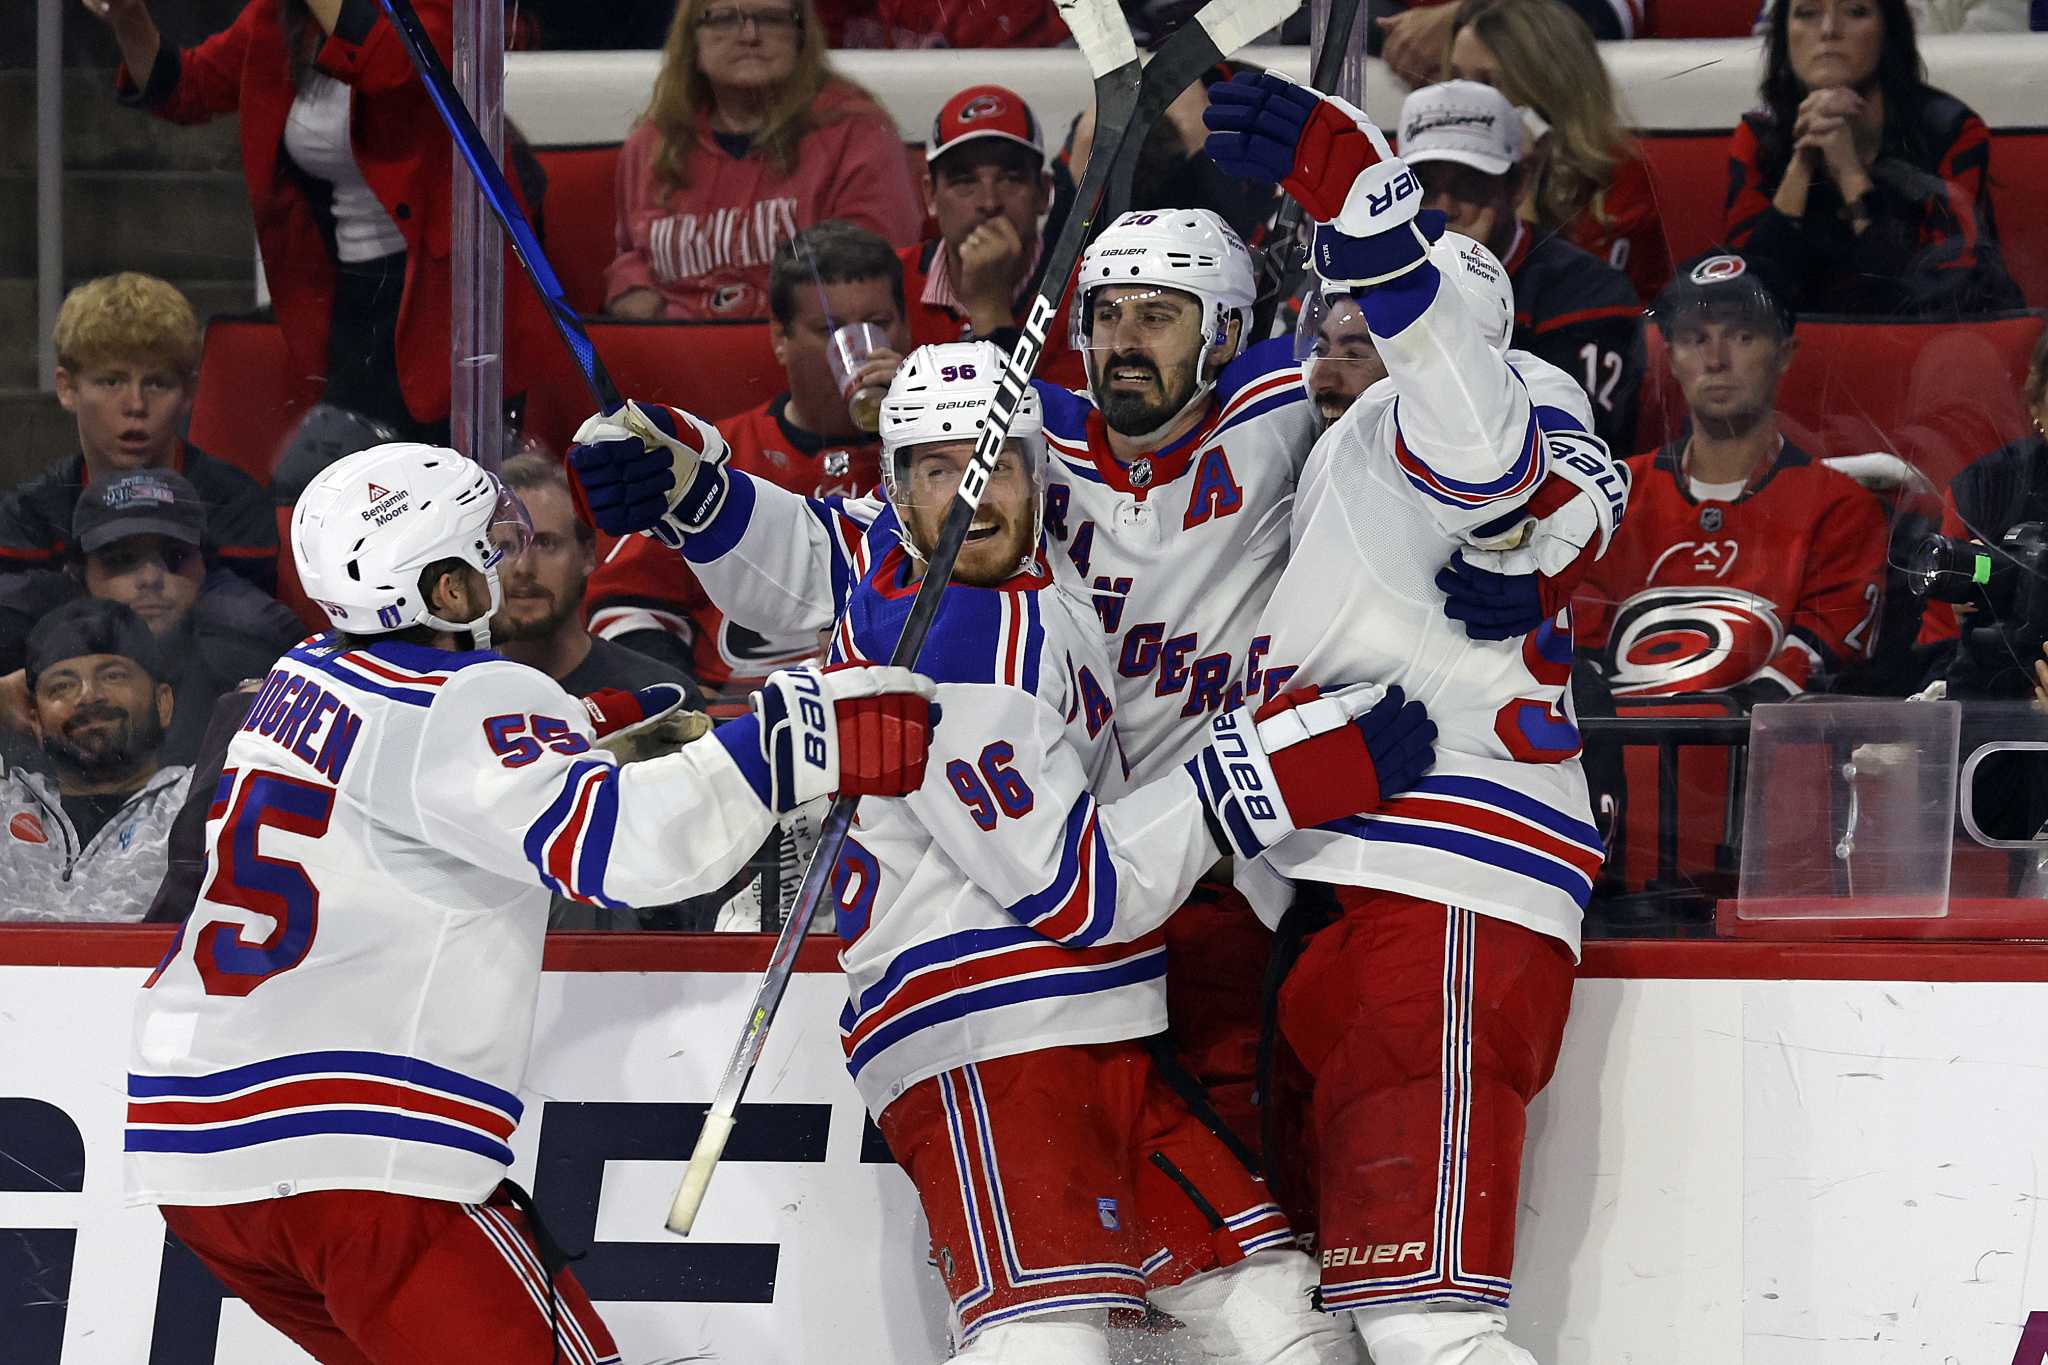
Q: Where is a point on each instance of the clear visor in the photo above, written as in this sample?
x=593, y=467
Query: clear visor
x=511, y=529
x=922, y=481
x=1332, y=332
x=1147, y=318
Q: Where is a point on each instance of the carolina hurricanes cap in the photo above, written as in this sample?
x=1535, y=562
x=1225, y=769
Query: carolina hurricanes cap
x=1722, y=285
x=1461, y=121
x=984, y=111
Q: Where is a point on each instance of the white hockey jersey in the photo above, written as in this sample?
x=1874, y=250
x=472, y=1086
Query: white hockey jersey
x=1013, y=902
x=1177, y=551
x=350, y=1005
x=1448, y=448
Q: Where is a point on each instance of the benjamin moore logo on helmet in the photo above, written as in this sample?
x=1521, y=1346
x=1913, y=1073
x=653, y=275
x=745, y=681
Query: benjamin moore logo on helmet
x=385, y=504
x=982, y=106
x=1717, y=269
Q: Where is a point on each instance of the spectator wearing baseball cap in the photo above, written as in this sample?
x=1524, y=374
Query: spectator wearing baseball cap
x=1464, y=141
x=142, y=540
x=86, y=841
x=988, y=188
x=1745, y=564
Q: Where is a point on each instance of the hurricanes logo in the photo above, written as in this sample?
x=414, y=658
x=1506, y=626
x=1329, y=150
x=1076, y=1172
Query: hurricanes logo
x=1671, y=640
x=981, y=107
x=729, y=298
x=1715, y=269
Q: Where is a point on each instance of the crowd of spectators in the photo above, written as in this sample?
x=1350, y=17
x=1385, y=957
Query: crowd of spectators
x=138, y=574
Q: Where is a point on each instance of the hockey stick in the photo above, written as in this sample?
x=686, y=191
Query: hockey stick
x=1123, y=92
x=504, y=206
x=1277, y=276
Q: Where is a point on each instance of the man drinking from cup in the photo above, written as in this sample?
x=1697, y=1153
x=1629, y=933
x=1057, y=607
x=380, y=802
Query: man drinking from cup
x=835, y=293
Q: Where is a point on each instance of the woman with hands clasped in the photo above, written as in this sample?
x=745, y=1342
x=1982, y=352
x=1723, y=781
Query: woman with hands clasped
x=1863, y=185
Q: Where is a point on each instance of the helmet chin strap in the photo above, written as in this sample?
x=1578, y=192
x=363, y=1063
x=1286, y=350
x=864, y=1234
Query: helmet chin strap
x=479, y=630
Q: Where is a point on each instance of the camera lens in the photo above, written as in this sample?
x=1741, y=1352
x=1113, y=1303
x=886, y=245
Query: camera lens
x=1948, y=570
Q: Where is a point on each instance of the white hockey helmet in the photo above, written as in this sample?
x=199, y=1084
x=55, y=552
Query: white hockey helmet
x=370, y=523
x=1484, y=282
x=1192, y=250
x=942, y=393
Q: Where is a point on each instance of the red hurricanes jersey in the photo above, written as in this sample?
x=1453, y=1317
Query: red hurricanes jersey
x=647, y=586
x=1623, y=228
x=1701, y=596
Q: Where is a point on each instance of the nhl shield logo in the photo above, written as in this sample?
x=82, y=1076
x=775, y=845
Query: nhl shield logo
x=1710, y=519
x=1141, y=472
x=838, y=463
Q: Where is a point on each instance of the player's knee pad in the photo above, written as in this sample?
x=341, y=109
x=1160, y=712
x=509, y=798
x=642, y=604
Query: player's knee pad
x=1259, y=1311
x=1438, y=1334
x=1054, y=1339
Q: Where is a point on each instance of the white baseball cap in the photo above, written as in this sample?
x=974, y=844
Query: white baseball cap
x=1461, y=121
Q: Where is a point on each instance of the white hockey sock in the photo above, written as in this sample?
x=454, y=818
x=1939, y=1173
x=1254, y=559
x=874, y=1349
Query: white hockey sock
x=1055, y=1339
x=1259, y=1312
x=1438, y=1334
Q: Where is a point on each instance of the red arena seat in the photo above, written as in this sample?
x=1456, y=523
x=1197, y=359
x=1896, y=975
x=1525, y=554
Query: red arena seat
x=577, y=227
x=1699, y=18
x=247, y=400
x=714, y=369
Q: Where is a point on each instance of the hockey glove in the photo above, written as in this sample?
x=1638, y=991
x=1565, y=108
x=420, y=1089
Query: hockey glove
x=1306, y=758
x=1506, y=586
x=855, y=729
x=1335, y=163
x=645, y=724
x=653, y=468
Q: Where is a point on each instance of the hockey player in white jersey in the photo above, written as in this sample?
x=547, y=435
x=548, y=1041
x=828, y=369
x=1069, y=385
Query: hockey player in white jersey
x=1430, y=1012
x=1002, y=925
x=325, y=1068
x=1168, y=488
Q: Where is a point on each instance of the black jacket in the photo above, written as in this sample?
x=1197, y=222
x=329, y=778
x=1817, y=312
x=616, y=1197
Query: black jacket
x=241, y=524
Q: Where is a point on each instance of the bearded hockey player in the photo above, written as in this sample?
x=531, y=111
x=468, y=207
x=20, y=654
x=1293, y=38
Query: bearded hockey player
x=1429, y=1013
x=1004, y=952
x=324, y=1075
x=1746, y=565
x=1167, y=491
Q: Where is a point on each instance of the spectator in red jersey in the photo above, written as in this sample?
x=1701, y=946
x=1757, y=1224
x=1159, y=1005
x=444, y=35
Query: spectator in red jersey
x=937, y=23
x=804, y=438
x=350, y=174
x=1416, y=41
x=1464, y=141
x=127, y=361
x=749, y=137
x=1864, y=186
x=1744, y=565
x=1586, y=177
x=988, y=188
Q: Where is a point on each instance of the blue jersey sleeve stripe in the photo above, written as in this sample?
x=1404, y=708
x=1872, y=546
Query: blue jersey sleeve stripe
x=828, y=518
x=1102, y=885
x=1284, y=398
x=728, y=524
x=741, y=739
x=1557, y=419
x=540, y=834
x=1480, y=848
x=1522, y=477
x=598, y=833
x=1040, y=904
x=1392, y=308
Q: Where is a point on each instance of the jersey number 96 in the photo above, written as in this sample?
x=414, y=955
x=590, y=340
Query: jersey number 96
x=991, y=788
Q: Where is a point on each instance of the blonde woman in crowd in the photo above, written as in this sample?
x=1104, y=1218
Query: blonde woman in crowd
x=749, y=138
x=1586, y=178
